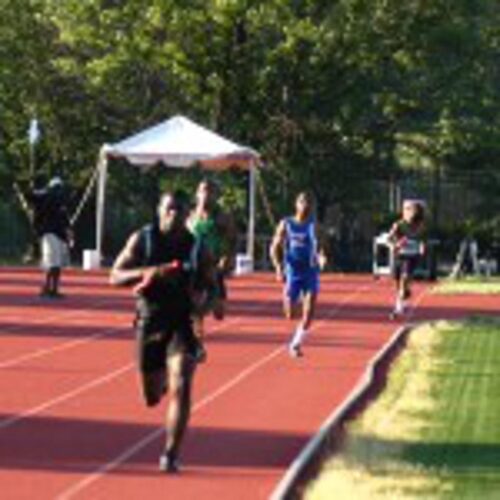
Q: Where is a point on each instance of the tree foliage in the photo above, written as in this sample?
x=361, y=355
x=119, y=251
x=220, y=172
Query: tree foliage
x=331, y=92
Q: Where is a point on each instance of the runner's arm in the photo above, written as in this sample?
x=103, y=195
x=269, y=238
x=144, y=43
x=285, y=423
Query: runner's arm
x=229, y=237
x=323, y=256
x=394, y=237
x=127, y=272
x=276, y=249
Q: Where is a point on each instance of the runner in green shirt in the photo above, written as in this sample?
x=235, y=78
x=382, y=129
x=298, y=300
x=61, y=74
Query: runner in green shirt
x=217, y=231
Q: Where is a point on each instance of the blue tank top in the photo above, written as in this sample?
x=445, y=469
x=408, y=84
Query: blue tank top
x=301, y=246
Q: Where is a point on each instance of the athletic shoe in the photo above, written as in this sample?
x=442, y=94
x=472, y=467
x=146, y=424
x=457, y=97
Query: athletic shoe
x=218, y=309
x=394, y=315
x=168, y=463
x=295, y=351
x=56, y=295
x=398, y=312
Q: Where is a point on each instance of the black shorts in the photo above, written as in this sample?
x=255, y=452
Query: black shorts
x=405, y=266
x=220, y=285
x=159, y=337
x=216, y=291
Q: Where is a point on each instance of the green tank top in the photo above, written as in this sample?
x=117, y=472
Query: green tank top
x=206, y=231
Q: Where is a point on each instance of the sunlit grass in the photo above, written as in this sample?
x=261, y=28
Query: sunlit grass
x=435, y=430
x=472, y=284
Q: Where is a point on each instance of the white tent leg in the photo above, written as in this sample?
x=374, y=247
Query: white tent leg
x=101, y=192
x=251, y=214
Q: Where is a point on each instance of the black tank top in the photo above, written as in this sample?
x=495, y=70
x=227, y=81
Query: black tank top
x=172, y=296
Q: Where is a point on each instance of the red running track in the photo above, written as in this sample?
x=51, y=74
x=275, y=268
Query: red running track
x=71, y=421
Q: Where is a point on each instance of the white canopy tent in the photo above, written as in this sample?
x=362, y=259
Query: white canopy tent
x=178, y=142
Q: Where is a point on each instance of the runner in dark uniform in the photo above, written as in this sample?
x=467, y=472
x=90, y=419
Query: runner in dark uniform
x=406, y=236
x=163, y=261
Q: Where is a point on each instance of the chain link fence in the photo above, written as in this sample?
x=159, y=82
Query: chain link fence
x=456, y=207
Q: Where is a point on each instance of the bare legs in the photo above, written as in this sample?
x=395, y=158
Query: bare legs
x=180, y=372
x=291, y=311
x=403, y=292
x=180, y=376
x=51, y=285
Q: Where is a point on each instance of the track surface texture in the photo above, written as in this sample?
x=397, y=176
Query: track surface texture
x=72, y=424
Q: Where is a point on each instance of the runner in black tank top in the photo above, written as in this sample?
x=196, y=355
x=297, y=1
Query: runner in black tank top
x=162, y=262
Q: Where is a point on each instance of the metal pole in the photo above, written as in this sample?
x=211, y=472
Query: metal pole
x=33, y=136
x=251, y=213
x=101, y=193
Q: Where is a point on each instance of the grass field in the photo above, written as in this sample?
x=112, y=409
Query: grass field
x=471, y=284
x=435, y=430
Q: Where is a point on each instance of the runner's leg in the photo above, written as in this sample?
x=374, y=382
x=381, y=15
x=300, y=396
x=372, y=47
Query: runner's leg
x=180, y=375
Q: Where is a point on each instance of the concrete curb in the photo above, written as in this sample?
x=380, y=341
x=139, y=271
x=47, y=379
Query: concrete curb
x=309, y=460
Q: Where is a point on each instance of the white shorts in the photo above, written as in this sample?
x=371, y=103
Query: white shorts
x=54, y=252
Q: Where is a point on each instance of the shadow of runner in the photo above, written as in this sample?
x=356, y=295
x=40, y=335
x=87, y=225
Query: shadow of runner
x=66, y=445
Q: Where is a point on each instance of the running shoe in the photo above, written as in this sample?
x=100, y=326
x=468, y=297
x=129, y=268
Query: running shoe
x=295, y=351
x=394, y=315
x=169, y=463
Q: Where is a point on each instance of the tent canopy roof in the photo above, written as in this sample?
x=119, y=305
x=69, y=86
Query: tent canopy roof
x=179, y=142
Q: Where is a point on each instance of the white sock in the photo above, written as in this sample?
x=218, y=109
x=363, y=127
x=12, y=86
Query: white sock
x=399, y=307
x=298, y=336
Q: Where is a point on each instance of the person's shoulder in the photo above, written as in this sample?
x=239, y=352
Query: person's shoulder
x=143, y=233
x=283, y=223
x=148, y=227
x=135, y=236
x=396, y=228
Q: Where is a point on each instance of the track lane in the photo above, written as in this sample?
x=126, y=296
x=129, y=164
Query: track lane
x=242, y=440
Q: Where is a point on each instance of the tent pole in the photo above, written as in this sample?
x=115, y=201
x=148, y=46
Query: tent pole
x=101, y=191
x=251, y=213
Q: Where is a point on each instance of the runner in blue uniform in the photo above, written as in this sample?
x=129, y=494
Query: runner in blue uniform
x=297, y=259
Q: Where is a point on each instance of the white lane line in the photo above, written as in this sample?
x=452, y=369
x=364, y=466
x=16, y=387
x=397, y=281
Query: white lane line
x=63, y=314
x=285, y=486
x=59, y=347
x=113, y=464
x=8, y=422
x=152, y=436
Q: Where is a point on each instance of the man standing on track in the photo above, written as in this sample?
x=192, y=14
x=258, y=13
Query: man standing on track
x=163, y=261
x=297, y=259
x=52, y=225
x=216, y=230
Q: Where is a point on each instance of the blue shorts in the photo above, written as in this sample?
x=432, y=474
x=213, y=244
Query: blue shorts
x=297, y=285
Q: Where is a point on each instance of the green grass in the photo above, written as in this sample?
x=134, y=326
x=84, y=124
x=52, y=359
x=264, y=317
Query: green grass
x=435, y=430
x=480, y=285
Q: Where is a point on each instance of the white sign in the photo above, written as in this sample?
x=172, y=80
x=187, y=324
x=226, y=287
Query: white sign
x=34, y=131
